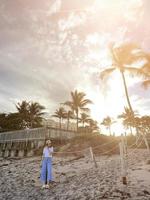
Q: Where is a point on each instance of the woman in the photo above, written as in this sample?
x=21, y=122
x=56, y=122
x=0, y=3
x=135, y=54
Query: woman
x=46, y=170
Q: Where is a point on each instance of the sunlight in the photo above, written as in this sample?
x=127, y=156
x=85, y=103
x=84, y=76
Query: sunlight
x=110, y=104
x=109, y=101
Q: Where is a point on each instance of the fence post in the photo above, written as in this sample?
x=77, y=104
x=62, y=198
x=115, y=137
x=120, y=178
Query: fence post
x=146, y=143
x=93, y=157
x=123, y=154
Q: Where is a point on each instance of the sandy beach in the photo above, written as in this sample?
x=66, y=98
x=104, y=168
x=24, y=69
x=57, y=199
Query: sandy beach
x=76, y=178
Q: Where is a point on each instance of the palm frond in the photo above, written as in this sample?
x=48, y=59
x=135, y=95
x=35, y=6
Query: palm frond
x=128, y=53
x=146, y=84
x=146, y=67
x=85, y=102
x=134, y=71
x=105, y=73
x=85, y=109
x=55, y=116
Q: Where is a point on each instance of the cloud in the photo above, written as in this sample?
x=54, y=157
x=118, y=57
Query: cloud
x=46, y=51
x=140, y=97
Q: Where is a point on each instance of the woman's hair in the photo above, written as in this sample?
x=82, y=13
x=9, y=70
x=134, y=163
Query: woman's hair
x=48, y=142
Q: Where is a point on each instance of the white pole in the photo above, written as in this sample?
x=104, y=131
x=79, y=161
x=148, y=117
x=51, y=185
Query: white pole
x=91, y=153
x=93, y=157
x=146, y=143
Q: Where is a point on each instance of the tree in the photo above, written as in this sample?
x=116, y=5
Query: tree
x=143, y=124
x=60, y=114
x=128, y=119
x=78, y=103
x=84, y=118
x=93, y=125
x=2, y=121
x=69, y=115
x=13, y=122
x=146, y=71
x=30, y=113
x=122, y=59
x=10, y=122
x=107, y=122
x=35, y=114
x=23, y=110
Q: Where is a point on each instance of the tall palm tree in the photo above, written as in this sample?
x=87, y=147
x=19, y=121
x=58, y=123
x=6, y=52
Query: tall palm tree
x=60, y=114
x=107, y=122
x=35, y=113
x=84, y=118
x=122, y=59
x=78, y=103
x=128, y=119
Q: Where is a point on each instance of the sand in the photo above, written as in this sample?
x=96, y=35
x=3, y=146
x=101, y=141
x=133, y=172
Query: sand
x=76, y=178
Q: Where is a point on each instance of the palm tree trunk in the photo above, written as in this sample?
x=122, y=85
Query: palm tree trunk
x=128, y=100
x=31, y=124
x=68, y=124
x=126, y=91
x=83, y=123
x=131, y=130
x=77, y=113
x=109, y=130
x=60, y=123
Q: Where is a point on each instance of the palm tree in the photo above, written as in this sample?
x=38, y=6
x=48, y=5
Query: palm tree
x=107, y=122
x=145, y=123
x=35, y=113
x=23, y=110
x=84, y=118
x=60, y=113
x=69, y=115
x=128, y=119
x=30, y=113
x=122, y=59
x=146, y=71
x=93, y=124
x=78, y=103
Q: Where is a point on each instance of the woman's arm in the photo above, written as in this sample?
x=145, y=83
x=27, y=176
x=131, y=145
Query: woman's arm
x=42, y=156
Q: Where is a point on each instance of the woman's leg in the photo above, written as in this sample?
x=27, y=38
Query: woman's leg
x=49, y=170
x=43, y=171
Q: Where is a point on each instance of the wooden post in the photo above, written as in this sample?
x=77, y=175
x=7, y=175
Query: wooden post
x=125, y=156
x=123, y=161
x=93, y=157
x=137, y=136
x=146, y=143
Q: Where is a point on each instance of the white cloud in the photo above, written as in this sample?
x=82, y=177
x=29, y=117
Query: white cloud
x=52, y=53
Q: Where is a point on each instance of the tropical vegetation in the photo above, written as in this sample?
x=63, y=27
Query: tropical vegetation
x=107, y=122
x=78, y=104
x=28, y=115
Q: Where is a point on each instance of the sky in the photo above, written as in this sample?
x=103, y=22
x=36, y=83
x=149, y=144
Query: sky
x=50, y=48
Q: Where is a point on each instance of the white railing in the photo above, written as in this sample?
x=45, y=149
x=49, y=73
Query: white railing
x=36, y=134
x=27, y=134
